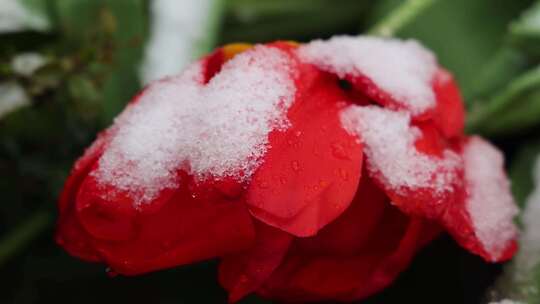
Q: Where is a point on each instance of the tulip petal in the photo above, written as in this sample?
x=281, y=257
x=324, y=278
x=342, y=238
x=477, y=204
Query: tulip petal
x=70, y=234
x=332, y=266
x=413, y=164
x=184, y=228
x=310, y=173
x=243, y=273
x=482, y=221
x=350, y=232
x=449, y=113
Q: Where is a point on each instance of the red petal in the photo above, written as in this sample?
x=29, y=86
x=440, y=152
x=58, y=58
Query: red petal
x=184, y=228
x=81, y=168
x=413, y=164
x=332, y=266
x=482, y=219
x=368, y=87
x=311, y=171
x=69, y=233
x=450, y=114
x=243, y=273
x=350, y=232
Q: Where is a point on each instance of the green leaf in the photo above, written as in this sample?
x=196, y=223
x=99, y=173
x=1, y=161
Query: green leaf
x=114, y=31
x=400, y=17
x=525, y=32
x=521, y=171
x=15, y=240
x=261, y=21
x=515, y=108
x=505, y=65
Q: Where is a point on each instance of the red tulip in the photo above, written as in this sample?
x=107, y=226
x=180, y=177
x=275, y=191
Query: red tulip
x=315, y=172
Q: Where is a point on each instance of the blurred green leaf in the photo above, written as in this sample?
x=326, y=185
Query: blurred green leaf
x=39, y=9
x=400, y=16
x=514, y=108
x=115, y=30
x=13, y=242
x=525, y=31
x=267, y=20
x=521, y=173
x=259, y=10
x=505, y=65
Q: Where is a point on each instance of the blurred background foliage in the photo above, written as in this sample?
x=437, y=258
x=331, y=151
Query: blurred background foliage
x=69, y=66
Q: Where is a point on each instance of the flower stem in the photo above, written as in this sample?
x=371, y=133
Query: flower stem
x=19, y=237
x=400, y=17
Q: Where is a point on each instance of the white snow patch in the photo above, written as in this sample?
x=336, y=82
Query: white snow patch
x=16, y=17
x=489, y=202
x=507, y=301
x=178, y=26
x=219, y=129
x=403, y=69
x=25, y=64
x=12, y=97
x=389, y=143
